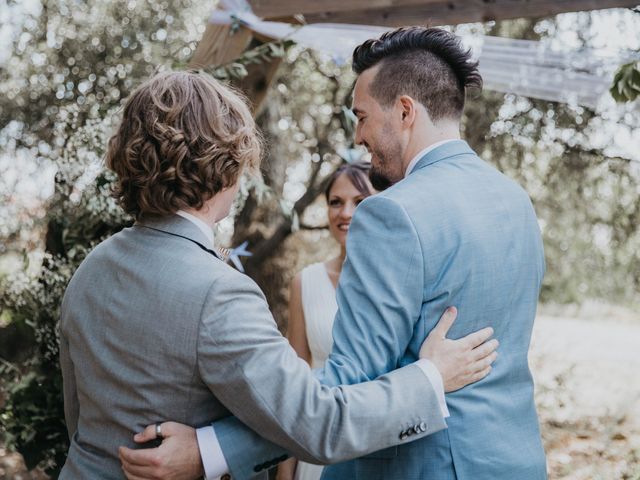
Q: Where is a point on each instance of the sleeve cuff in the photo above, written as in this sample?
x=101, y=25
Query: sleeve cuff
x=213, y=460
x=435, y=379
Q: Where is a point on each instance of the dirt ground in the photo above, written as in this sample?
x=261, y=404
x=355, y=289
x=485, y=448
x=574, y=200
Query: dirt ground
x=586, y=364
x=587, y=372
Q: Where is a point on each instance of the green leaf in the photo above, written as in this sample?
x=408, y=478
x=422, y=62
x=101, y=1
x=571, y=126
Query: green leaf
x=277, y=50
x=238, y=70
x=626, y=83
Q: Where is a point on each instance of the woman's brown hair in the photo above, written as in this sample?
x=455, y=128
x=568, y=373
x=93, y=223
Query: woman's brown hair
x=358, y=174
x=183, y=138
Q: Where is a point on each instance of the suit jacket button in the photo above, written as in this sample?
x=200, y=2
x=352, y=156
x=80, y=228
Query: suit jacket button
x=423, y=427
x=226, y=476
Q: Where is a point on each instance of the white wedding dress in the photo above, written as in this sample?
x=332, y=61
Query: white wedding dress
x=319, y=307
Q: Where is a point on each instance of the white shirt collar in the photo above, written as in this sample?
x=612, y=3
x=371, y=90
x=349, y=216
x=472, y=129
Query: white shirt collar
x=206, y=229
x=423, y=152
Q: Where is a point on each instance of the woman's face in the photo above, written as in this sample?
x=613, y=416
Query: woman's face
x=344, y=197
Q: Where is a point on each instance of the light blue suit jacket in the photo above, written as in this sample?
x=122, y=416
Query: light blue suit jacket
x=454, y=232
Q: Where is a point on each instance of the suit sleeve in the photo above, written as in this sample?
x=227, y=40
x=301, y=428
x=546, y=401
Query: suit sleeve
x=71, y=404
x=254, y=372
x=379, y=295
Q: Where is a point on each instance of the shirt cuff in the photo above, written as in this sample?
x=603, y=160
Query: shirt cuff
x=435, y=379
x=213, y=462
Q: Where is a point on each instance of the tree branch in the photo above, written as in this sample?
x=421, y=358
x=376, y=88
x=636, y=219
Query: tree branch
x=267, y=248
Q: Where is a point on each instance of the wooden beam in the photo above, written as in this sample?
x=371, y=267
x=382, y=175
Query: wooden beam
x=283, y=8
x=256, y=84
x=219, y=45
x=460, y=11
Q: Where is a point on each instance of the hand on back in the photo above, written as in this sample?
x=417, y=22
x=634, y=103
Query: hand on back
x=463, y=361
x=177, y=458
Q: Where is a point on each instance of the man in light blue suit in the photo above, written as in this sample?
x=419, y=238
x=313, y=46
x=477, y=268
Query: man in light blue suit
x=448, y=229
x=452, y=230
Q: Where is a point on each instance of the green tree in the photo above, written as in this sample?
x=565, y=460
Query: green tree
x=71, y=65
x=584, y=196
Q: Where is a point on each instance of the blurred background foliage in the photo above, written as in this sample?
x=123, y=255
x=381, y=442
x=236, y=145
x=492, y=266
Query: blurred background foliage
x=62, y=82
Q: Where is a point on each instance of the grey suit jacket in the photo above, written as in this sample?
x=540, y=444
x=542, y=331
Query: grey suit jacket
x=155, y=327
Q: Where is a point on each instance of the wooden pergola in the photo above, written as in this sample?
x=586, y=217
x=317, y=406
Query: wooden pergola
x=219, y=45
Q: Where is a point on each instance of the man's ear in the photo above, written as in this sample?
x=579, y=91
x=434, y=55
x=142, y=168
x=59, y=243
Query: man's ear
x=407, y=110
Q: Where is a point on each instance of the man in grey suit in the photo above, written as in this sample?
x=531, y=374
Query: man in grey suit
x=155, y=326
x=452, y=230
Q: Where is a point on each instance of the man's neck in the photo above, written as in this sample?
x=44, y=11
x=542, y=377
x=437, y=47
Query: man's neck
x=204, y=214
x=430, y=136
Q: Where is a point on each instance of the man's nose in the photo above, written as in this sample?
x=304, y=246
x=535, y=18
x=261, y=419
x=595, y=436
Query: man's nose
x=358, y=136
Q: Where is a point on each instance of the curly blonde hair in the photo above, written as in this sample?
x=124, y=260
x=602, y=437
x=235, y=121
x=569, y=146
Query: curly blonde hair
x=183, y=138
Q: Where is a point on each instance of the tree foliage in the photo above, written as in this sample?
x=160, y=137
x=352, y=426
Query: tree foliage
x=584, y=193
x=72, y=63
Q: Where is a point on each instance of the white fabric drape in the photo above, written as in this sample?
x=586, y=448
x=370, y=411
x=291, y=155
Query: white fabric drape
x=521, y=67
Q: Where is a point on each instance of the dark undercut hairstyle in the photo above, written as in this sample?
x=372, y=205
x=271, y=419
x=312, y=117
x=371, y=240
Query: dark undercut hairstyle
x=428, y=64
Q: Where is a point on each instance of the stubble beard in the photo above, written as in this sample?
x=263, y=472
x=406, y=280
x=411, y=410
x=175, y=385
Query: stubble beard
x=382, y=175
x=379, y=180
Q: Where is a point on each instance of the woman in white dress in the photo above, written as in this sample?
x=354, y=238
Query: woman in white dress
x=312, y=300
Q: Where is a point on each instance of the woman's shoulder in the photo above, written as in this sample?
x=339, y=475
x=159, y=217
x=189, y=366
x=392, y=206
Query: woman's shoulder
x=307, y=273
